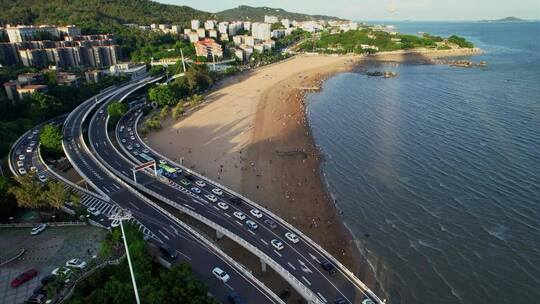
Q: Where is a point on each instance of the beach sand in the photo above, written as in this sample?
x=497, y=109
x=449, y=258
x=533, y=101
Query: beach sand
x=251, y=135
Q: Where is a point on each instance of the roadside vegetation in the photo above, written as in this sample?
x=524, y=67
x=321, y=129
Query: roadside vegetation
x=156, y=284
x=364, y=41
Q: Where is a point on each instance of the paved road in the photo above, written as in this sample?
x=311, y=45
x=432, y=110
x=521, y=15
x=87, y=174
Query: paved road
x=164, y=228
x=301, y=259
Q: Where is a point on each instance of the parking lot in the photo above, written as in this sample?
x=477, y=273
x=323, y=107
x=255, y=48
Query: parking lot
x=46, y=251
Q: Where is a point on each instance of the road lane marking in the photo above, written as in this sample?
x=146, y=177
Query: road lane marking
x=322, y=298
x=291, y=265
x=239, y=223
x=187, y=257
x=189, y=206
x=251, y=232
x=265, y=242
x=315, y=258
x=306, y=280
x=304, y=267
x=228, y=215
x=229, y=286
x=278, y=253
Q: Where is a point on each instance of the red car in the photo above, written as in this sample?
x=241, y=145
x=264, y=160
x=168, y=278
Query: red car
x=24, y=277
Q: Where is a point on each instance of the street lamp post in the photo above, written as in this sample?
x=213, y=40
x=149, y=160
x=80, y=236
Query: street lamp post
x=120, y=216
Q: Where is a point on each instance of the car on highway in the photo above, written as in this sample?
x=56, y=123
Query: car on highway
x=235, y=200
x=20, y=163
x=195, y=190
x=239, y=215
x=200, y=183
x=137, y=145
x=270, y=223
x=93, y=211
x=256, y=213
x=368, y=301
x=22, y=157
x=168, y=252
x=18, y=151
x=252, y=225
x=24, y=277
x=30, y=136
x=340, y=300
x=38, y=229
x=130, y=147
x=189, y=176
x=220, y=274
x=123, y=140
x=211, y=198
x=292, y=237
x=135, y=152
x=22, y=171
x=32, y=143
x=185, y=182
x=36, y=131
x=217, y=191
x=76, y=263
x=162, y=161
x=235, y=298
x=61, y=271
x=29, y=150
x=33, y=169
x=277, y=244
x=223, y=205
x=145, y=151
x=129, y=129
x=132, y=137
x=326, y=265
x=101, y=111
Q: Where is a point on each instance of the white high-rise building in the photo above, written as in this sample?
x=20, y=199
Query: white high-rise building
x=209, y=24
x=201, y=32
x=247, y=26
x=195, y=24
x=270, y=19
x=286, y=23
x=222, y=27
x=261, y=31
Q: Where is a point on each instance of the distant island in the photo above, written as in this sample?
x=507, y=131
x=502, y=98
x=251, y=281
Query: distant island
x=507, y=19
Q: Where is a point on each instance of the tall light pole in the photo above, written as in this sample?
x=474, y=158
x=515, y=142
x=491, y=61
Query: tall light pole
x=120, y=216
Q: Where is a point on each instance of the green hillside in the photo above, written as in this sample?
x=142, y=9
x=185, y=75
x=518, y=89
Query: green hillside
x=245, y=12
x=93, y=12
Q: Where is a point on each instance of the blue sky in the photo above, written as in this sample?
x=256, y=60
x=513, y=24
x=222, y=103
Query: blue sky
x=388, y=9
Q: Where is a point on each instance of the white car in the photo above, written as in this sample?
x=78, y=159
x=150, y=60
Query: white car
x=123, y=140
x=76, y=263
x=35, y=132
x=32, y=143
x=137, y=145
x=277, y=244
x=130, y=147
x=93, y=211
x=368, y=301
x=115, y=223
x=251, y=225
x=223, y=205
x=33, y=169
x=29, y=150
x=256, y=213
x=200, y=183
x=101, y=111
x=61, y=270
x=217, y=191
x=129, y=129
x=292, y=237
x=42, y=178
x=20, y=163
x=239, y=215
x=211, y=198
x=220, y=274
x=145, y=151
x=38, y=229
x=22, y=157
x=22, y=171
x=132, y=137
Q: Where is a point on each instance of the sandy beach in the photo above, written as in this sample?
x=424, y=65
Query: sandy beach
x=251, y=134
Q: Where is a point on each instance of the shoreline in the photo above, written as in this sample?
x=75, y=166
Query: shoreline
x=252, y=134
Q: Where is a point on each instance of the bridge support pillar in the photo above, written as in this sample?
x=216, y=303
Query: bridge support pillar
x=219, y=235
x=263, y=266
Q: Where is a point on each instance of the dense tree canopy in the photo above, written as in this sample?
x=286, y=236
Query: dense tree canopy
x=51, y=140
x=116, y=109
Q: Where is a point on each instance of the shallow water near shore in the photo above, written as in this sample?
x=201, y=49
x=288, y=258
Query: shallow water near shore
x=437, y=171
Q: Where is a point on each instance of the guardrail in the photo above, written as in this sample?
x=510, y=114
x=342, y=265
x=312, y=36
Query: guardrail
x=297, y=285
x=313, y=244
x=113, y=173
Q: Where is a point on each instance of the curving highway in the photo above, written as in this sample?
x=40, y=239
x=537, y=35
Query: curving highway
x=106, y=164
x=297, y=262
x=157, y=224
